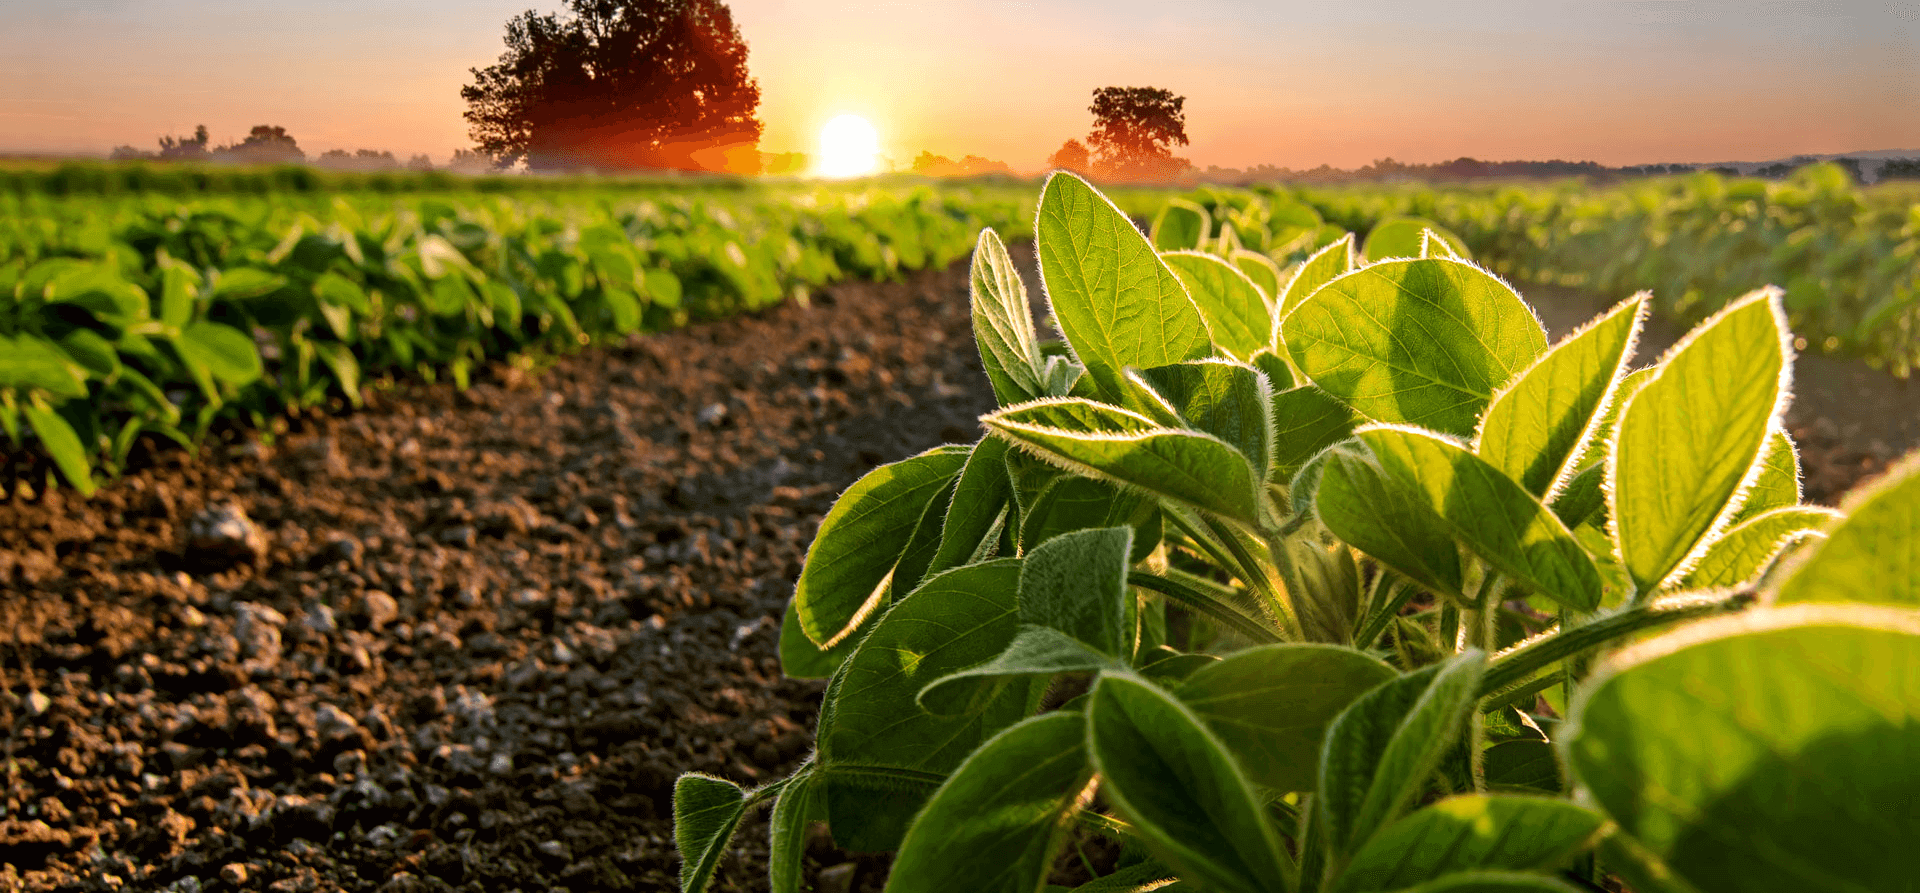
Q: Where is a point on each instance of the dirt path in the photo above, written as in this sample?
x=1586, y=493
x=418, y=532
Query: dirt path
x=483, y=632
x=473, y=637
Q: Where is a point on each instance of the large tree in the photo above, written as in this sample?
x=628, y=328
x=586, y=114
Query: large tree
x=1134, y=130
x=619, y=84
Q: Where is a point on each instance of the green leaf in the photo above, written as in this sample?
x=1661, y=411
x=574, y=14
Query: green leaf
x=706, y=810
x=1468, y=833
x=844, y=579
x=337, y=289
x=1490, y=513
x=1774, y=750
x=1421, y=342
x=1072, y=503
x=1264, y=273
x=1270, y=705
x=1235, y=311
x=1003, y=324
x=1181, y=225
x=802, y=802
x=1746, y=548
x=954, y=621
x=1219, y=397
x=1873, y=553
x=1326, y=265
x=1130, y=449
x=1111, y=296
x=179, y=284
x=1493, y=882
x=94, y=353
x=921, y=547
x=1690, y=438
x=245, y=283
x=800, y=658
x=224, y=351
x=346, y=369
x=1165, y=772
x=1522, y=766
x=102, y=291
x=1306, y=420
x=1384, y=517
x=1077, y=583
x=1537, y=427
x=1380, y=751
x=981, y=499
x=1405, y=237
x=1279, y=374
x=61, y=444
x=998, y=821
x=29, y=361
x=1034, y=651
x=1778, y=483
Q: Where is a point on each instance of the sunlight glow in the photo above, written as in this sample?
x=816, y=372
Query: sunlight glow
x=849, y=147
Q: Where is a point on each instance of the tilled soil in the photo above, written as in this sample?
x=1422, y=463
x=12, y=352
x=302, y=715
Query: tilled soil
x=467, y=640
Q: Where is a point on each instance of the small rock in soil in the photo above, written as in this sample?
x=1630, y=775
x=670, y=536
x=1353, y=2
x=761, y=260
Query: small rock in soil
x=223, y=535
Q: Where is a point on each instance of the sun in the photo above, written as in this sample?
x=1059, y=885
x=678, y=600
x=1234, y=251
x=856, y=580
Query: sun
x=849, y=147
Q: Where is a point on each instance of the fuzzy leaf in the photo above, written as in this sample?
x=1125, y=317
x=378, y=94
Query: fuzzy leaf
x=706, y=810
x=1873, y=553
x=1326, y=265
x=844, y=578
x=1270, y=705
x=1181, y=225
x=997, y=822
x=1003, y=324
x=1111, y=296
x=1224, y=399
x=1535, y=426
x=1077, y=583
x=1689, y=437
x=1774, y=750
x=1380, y=751
x=1469, y=833
x=1163, y=770
x=1421, y=342
x=1745, y=550
x=1490, y=513
x=1235, y=311
x=1129, y=449
x=1385, y=518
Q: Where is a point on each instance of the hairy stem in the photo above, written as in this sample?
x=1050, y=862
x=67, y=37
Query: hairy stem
x=1204, y=604
x=1533, y=655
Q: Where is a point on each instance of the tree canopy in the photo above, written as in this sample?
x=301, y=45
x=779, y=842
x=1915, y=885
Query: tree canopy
x=1134, y=130
x=619, y=84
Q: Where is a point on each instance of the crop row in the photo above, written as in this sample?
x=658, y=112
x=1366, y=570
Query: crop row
x=123, y=318
x=1848, y=258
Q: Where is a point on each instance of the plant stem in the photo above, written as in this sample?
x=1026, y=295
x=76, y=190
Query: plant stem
x=1205, y=604
x=1528, y=658
x=1382, y=613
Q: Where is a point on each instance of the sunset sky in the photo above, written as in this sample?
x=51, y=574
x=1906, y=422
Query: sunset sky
x=1291, y=84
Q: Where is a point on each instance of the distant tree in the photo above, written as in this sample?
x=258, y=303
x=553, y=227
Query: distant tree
x=1134, y=130
x=129, y=153
x=1901, y=169
x=186, y=148
x=469, y=161
x=263, y=145
x=619, y=84
x=420, y=163
x=1071, y=156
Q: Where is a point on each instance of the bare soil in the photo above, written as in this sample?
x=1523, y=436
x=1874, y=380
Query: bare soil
x=467, y=640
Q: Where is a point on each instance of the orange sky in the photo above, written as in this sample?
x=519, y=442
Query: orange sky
x=1292, y=84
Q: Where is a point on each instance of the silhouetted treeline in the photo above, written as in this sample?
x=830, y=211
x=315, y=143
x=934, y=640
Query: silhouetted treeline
x=1467, y=169
x=121, y=178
